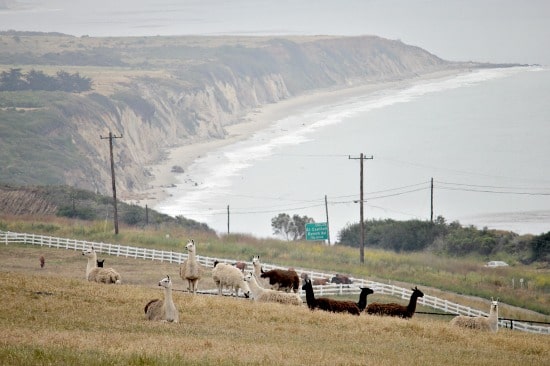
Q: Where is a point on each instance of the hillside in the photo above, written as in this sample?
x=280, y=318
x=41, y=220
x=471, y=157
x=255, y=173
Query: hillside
x=161, y=92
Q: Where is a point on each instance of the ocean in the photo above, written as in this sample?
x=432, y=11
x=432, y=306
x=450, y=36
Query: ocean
x=481, y=136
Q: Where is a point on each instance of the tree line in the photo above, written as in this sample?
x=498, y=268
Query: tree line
x=417, y=235
x=446, y=238
x=16, y=80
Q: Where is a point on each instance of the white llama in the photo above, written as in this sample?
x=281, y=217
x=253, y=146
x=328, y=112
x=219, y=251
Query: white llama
x=99, y=274
x=164, y=310
x=489, y=323
x=190, y=270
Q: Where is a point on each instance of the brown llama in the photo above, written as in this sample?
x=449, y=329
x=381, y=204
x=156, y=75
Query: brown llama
x=393, y=309
x=332, y=305
x=281, y=279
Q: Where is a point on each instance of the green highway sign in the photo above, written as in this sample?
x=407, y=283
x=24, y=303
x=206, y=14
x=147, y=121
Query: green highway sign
x=317, y=231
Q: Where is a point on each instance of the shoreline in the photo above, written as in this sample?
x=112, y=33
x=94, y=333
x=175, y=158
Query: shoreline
x=259, y=119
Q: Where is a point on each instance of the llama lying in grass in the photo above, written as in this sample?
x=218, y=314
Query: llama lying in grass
x=190, y=270
x=261, y=294
x=226, y=275
x=393, y=309
x=489, y=323
x=341, y=279
x=164, y=310
x=98, y=274
x=333, y=305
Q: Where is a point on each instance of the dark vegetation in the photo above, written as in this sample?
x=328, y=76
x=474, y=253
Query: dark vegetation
x=449, y=239
x=16, y=80
x=74, y=203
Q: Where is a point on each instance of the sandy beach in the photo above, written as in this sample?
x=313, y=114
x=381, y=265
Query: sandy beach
x=257, y=120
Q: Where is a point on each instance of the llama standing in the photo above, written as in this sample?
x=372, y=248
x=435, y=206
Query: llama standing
x=98, y=274
x=164, y=310
x=393, y=309
x=190, y=269
x=479, y=322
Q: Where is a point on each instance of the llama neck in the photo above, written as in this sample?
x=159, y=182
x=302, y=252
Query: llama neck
x=257, y=269
x=362, y=304
x=493, y=313
x=310, y=296
x=254, y=286
x=170, y=307
x=92, y=263
x=411, y=308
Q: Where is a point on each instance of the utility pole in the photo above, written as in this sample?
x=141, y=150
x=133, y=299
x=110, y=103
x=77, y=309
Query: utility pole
x=432, y=201
x=111, y=137
x=227, y=219
x=328, y=227
x=362, y=221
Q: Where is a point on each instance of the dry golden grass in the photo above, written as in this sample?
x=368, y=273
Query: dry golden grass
x=54, y=316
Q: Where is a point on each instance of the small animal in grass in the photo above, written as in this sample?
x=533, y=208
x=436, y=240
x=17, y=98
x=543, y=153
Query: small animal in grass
x=42, y=261
x=100, y=263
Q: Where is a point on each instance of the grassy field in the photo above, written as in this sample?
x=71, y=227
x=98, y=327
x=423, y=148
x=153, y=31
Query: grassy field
x=53, y=316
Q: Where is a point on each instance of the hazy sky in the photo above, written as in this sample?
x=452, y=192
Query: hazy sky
x=478, y=30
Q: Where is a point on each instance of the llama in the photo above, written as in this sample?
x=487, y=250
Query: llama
x=42, y=261
x=261, y=294
x=489, y=323
x=164, y=310
x=281, y=279
x=316, y=281
x=393, y=309
x=258, y=270
x=230, y=276
x=190, y=269
x=97, y=274
x=332, y=305
x=240, y=265
x=341, y=279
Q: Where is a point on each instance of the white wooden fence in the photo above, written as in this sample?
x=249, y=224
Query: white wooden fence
x=7, y=237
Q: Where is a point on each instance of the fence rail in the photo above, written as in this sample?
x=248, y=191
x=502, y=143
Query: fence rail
x=7, y=237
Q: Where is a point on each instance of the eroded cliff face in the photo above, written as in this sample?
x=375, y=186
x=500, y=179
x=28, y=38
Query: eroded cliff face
x=181, y=116
x=191, y=89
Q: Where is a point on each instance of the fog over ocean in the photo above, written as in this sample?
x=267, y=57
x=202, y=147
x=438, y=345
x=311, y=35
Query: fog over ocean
x=483, y=137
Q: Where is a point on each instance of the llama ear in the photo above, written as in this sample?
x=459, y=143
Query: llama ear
x=492, y=299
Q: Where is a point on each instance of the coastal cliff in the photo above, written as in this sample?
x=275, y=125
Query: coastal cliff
x=162, y=92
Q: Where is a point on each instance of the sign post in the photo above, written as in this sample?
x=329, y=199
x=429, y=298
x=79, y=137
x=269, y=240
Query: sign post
x=317, y=231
